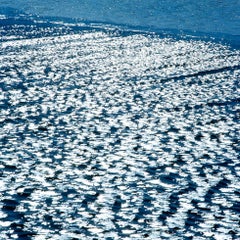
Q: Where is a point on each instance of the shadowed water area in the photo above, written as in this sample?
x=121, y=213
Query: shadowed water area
x=112, y=133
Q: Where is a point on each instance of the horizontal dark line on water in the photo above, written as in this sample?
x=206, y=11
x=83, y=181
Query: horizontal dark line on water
x=202, y=73
x=182, y=77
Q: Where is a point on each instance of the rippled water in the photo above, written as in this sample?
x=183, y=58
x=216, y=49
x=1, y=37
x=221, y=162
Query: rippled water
x=116, y=134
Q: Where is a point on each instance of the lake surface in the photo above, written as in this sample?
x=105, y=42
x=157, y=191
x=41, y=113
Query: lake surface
x=119, y=120
x=202, y=16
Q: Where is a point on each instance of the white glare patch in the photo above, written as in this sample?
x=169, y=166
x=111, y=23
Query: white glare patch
x=111, y=135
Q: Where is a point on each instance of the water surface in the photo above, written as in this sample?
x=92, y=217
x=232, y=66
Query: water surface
x=116, y=132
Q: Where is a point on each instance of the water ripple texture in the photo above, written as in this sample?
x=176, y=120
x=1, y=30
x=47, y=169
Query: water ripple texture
x=115, y=135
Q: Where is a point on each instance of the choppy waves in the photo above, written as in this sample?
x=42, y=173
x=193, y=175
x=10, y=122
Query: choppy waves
x=107, y=134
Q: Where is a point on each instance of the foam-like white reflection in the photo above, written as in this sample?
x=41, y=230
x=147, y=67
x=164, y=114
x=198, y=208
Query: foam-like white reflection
x=130, y=129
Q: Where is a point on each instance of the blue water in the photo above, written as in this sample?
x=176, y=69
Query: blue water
x=214, y=18
x=119, y=120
